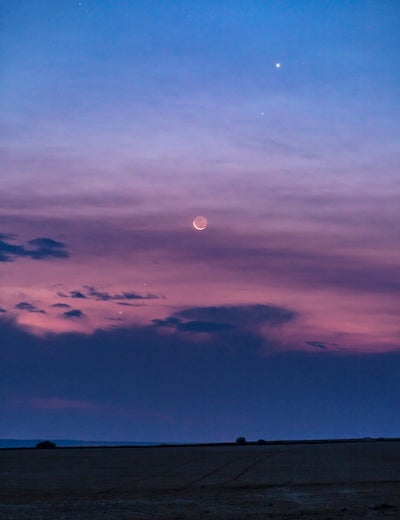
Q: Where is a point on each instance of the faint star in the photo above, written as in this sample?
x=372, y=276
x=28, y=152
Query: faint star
x=261, y=113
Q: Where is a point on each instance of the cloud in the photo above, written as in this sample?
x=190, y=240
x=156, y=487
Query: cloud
x=218, y=386
x=65, y=404
x=74, y=313
x=40, y=248
x=126, y=304
x=2, y=310
x=61, y=305
x=56, y=403
x=47, y=248
x=316, y=344
x=48, y=243
x=168, y=322
x=9, y=251
x=241, y=316
x=92, y=292
x=71, y=294
x=204, y=326
x=76, y=294
x=26, y=306
x=226, y=318
x=325, y=345
x=289, y=255
x=192, y=326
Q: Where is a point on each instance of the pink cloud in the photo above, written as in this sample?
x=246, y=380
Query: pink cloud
x=57, y=403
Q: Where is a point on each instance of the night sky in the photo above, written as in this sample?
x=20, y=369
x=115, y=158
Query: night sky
x=279, y=122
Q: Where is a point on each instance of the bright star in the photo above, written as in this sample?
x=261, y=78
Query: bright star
x=278, y=65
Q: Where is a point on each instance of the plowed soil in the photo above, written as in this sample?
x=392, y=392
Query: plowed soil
x=345, y=480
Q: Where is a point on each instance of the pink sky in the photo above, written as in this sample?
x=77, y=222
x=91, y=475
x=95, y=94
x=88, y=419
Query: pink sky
x=113, y=146
x=329, y=256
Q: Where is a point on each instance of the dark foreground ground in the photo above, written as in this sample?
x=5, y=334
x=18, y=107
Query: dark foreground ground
x=287, y=481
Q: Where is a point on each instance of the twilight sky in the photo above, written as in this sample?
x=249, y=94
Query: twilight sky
x=122, y=121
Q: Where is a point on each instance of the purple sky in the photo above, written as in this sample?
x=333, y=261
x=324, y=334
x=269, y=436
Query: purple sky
x=123, y=121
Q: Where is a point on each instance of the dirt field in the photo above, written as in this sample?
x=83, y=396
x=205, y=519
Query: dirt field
x=287, y=481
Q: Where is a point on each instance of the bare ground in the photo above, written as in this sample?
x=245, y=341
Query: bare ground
x=288, y=481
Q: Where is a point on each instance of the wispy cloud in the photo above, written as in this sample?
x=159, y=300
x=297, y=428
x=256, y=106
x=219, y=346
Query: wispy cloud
x=126, y=304
x=91, y=292
x=62, y=404
x=29, y=307
x=316, y=344
x=125, y=295
x=57, y=403
x=325, y=345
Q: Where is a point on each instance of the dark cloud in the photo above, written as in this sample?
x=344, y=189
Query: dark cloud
x=26, y=306
x=137, y=296
x=241, y=316
x=2, y=310
x=316, y=344
x=192, y=326
x=48, y=243
x=168, y=322
x=92, y=292
x=76, y=294
x=40, y=248
x=61, y=305
x=204, y=326
x=226, y=318
x=9, y=251
x=74, y=313
x=126, y=304
x=325, y=345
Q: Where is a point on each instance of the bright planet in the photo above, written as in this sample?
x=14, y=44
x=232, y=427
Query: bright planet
x=200, y=223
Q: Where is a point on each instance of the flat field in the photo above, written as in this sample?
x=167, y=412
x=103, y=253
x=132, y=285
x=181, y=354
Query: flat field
x=343, y=480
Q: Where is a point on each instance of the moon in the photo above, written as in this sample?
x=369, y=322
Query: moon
x=200, y=223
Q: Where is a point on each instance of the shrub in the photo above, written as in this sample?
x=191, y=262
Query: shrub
x=241, y=440
x=261, y=441
x=46, y=445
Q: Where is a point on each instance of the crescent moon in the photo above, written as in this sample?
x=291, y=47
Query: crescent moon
x=200, y=223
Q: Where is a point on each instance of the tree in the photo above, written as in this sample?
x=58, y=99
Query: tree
x=241, y=440
x=46, y=445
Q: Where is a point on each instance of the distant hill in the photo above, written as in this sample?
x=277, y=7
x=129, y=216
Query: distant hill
x=71, y=443
x=66, y=443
